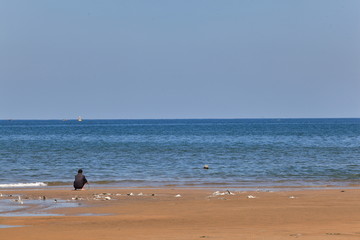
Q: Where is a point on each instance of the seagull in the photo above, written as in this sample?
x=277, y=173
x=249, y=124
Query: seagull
x=19, y=200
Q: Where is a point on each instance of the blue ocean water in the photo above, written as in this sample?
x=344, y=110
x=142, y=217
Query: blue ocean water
x=239, y=152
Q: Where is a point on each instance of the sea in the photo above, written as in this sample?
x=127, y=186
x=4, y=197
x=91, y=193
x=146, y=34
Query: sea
x=240, y=153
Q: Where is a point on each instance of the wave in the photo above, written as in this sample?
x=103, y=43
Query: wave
x=34, y=184
x=59, y=183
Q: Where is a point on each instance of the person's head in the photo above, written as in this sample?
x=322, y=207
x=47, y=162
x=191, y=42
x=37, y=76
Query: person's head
x=80, y=171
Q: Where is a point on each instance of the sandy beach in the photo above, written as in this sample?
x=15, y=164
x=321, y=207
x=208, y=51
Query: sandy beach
x=172, y=213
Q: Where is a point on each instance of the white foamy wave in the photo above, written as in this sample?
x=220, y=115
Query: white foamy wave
x=35, y=184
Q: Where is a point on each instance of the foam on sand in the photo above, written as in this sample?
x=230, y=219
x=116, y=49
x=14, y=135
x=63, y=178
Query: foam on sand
x=20, y=185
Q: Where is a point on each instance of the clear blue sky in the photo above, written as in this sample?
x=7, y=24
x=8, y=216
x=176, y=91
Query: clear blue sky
x=179, y=59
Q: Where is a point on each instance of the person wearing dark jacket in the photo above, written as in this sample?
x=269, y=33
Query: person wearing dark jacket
x=80, y=180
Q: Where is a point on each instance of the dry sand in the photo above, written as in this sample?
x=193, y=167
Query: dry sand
x=193, y=214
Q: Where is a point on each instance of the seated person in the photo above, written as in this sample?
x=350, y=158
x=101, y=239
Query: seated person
x=80, y=180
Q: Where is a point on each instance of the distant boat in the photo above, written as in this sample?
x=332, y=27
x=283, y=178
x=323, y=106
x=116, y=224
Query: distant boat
x=79, y=119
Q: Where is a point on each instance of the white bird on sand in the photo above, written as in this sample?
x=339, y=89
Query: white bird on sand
x=19, y=200
x=230, y=193
x=217, y=193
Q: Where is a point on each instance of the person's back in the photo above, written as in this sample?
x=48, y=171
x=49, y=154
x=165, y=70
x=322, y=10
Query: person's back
x=80, y=180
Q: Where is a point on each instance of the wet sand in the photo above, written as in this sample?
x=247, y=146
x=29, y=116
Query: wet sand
x=169, y=213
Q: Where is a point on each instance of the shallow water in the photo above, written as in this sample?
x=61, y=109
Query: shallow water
x=9, y=208
x=8, y=226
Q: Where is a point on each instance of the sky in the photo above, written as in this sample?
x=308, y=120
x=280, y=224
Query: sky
x=166, y=59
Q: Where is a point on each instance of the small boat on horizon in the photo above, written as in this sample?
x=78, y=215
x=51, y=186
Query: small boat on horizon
x=79, y=119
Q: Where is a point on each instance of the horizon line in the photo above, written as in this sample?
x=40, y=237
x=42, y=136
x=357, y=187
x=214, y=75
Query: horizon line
x=215, y=118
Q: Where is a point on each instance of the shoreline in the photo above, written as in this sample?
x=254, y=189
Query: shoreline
x=254, y=187
x=186, y=213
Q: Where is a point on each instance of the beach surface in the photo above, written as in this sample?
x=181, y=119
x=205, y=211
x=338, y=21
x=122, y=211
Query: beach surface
x=177, y=213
